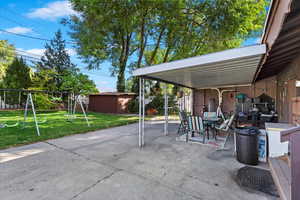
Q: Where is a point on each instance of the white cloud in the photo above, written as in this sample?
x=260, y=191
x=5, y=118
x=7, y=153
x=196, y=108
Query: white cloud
x=39, y=52
x=53, y=11
x=105, y=88
x=19, y=30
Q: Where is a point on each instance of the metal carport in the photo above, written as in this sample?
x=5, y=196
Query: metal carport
x=229, y=68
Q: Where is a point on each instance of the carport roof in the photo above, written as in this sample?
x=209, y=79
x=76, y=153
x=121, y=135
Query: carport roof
x=221, y=69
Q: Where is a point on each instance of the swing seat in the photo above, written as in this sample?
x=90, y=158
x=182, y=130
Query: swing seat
x=70, y=117
x=43, y=121
x=9, y=126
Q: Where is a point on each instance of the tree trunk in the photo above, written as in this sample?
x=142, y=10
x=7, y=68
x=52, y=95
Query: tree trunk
x=143, y=40
x=123, y=62
x=121, y=80
x=166, y=54
x=157, y=45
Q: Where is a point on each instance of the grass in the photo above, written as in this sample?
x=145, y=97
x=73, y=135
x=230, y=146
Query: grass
x=56, y=126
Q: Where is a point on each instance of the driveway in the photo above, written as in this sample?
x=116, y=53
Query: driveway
x=107, y=165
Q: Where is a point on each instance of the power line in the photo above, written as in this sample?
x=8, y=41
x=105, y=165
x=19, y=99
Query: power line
x=35, y=60
x=25, y=55
x=18, y=23
x=22, y=54
x=13, y=13
x=28, y=54
x=31, y=37
x=11, y=20
x=28, y=57
x=37, y=55
x=7, y=9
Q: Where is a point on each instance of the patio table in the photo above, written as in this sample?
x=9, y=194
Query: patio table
x=210, y=122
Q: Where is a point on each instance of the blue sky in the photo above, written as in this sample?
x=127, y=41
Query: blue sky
x=42, y=19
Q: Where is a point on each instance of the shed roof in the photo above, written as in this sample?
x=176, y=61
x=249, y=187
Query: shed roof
x=221, y=69
x=114, y=94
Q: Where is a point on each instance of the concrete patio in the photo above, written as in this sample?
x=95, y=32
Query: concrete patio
x=107, y=164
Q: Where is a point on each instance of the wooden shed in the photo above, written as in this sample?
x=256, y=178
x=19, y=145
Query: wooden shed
x=110, y=102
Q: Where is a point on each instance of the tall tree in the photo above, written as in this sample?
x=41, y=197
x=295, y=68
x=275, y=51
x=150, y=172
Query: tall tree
x=56, y=60
x=125, y=32
x=18, y=75
x=105, y=34
x=7, y=55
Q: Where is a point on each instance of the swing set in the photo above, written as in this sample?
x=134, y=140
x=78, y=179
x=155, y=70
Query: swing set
x=12, y=99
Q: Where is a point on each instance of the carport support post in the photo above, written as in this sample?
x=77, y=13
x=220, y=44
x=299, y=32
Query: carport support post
x=166, y=109
x=141, y=112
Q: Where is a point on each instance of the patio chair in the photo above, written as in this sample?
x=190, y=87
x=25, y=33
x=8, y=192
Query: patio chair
x=183, y=126
x=226, y=127
x=195, y=125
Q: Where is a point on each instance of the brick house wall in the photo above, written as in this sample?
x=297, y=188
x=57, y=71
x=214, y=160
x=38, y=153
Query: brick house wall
x=281, y=87
x=205, y=96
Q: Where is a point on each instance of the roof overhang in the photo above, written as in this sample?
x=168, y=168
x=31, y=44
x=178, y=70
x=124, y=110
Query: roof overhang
x=231, y=67
x=282, y=37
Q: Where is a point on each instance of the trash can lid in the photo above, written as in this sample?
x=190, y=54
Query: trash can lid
x=248, y=131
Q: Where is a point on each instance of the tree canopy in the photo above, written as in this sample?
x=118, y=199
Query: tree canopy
x=7, y=55
x=56, y=60
x=134, y=33
x=18, y=75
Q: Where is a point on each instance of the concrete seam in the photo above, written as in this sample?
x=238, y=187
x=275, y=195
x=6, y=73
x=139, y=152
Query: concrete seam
x=175, y=189
x=94, y=184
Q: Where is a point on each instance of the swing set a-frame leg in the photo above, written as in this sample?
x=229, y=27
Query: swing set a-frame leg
x=29, y=100
x=82, y=109
x=86, y=119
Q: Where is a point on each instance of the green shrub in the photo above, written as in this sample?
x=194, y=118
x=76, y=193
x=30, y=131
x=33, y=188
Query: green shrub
x=158, y=104
x=43, y=102
x=133, y=105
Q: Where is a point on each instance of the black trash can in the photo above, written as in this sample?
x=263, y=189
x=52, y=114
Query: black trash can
x=247, y=145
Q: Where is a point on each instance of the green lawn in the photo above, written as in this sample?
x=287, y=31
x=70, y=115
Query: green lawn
x=56, y=125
